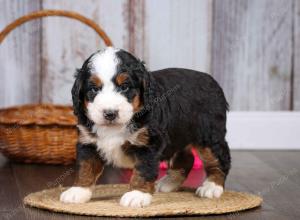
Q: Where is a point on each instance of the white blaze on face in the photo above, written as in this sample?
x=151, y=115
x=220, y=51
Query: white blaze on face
x=104, y=65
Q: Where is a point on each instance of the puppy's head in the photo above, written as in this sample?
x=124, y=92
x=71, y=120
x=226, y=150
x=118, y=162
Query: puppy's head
x=110, y=88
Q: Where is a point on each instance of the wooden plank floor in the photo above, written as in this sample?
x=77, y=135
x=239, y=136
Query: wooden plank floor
x=273, y=174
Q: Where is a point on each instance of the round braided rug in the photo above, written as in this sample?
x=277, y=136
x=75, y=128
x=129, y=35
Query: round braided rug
x=106, y=198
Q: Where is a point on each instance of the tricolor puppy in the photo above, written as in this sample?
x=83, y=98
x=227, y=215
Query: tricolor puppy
x=132, y=118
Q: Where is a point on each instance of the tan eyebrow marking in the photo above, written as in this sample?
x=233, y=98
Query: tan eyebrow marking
x=121, y=78
x=96, y=80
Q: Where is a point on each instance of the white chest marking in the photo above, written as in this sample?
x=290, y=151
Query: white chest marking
x=109, y=142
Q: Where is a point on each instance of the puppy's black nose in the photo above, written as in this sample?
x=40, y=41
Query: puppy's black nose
x=110, y=114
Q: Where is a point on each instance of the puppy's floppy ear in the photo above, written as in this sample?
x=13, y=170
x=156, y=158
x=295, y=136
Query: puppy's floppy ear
x=77, y=89
x=77, y=95
x=148, y=88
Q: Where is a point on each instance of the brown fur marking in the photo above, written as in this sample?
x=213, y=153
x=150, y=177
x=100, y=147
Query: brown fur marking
x=212, y=166
x=138, y=183
x=85, y=137
x=125, y=147
x=177, y=175
x=136, y=103
x=180, y=165
x=182, y=160
x=139, y=137
x=121, y=78
x=89, y=171
x=143, y=137
x=96, y=80
x=86, y=103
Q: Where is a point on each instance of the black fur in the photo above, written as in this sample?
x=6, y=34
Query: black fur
x=193, y=113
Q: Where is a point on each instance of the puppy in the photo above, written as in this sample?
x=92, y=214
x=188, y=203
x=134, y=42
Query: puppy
x=132, y=118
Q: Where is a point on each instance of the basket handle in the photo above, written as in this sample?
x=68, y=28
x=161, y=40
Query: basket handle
x=46, y=13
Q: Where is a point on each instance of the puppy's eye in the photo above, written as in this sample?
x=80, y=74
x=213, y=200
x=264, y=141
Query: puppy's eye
x=94, y=90
x=124, y=87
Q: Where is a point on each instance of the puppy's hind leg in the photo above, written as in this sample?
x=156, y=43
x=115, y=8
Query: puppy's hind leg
x=216, y=161
x=179, y=167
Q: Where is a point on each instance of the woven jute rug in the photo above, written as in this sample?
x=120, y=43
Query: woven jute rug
x=106, y=198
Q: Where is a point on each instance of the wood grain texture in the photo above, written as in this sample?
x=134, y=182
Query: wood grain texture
x=250, y=46
x=19, y=55
x=11, y=204
x=8, y=200
x=258, y=176
x=135, y=17
x=31, y=178
x=273, y=174
x=274, y=160
x=252, y=51
x=67, y=43
x=296, y=57
x=178, y=34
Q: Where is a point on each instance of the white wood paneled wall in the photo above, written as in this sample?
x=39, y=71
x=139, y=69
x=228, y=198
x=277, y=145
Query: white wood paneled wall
x=20, y=55
x=178, y=34
x=252, y=53
x=67, y=43
x=296, y=57
x=252, y=47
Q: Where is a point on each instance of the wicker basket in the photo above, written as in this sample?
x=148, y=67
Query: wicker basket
x=41, y=133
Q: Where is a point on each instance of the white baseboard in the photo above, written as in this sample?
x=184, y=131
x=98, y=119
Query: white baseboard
x=263, y=130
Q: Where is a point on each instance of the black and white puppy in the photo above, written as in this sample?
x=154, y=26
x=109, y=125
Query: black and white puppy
x=132, y=118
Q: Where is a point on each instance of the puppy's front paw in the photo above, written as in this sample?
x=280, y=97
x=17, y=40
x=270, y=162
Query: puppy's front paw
x=136, y=199
x=210, y=190
x=76, y=195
